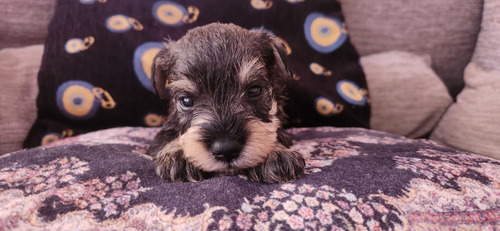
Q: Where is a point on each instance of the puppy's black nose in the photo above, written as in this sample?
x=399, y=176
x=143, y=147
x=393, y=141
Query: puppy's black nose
x=226, y=149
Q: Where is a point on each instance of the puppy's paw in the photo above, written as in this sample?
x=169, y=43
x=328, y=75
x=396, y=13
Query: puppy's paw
x=281, y=166
x=173, y=166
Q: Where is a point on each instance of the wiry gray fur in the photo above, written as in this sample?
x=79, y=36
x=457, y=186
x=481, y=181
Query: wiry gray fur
x=220, y=67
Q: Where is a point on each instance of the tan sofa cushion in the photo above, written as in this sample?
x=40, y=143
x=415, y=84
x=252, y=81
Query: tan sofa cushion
x=18, y=91
x=473, y=122
x=24, y=22
x=407, y=97
x=445, y=29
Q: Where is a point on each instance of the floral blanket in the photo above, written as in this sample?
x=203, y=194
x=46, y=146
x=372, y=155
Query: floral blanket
x=356, y=179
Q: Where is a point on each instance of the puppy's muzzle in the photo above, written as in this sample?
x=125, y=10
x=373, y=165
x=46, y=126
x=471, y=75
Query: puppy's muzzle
x=226, y=149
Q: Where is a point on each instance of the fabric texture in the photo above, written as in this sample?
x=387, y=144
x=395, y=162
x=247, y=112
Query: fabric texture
x=445, y=30
x=24, y=22
x=472, y=123
x=96, y=67
x=18, y=91
x=406, y=96
x=354, y=179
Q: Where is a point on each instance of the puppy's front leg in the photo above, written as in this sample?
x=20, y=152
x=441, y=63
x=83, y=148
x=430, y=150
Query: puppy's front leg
x=171, y=164
x=283, y=138
x=282, y=165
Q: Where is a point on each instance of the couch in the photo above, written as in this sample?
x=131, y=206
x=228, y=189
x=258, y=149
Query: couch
x=429, y=160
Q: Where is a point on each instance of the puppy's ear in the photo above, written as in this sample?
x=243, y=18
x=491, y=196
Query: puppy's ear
x=279, y=52
x=162, y=70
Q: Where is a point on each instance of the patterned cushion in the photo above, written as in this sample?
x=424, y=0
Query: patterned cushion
x=96, y=67
x=355, y=179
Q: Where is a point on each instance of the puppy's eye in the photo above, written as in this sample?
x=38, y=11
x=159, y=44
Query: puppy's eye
x=186, y=102
x=254, y=92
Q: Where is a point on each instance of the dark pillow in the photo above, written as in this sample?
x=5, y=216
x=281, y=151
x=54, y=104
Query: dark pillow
x=95, y=71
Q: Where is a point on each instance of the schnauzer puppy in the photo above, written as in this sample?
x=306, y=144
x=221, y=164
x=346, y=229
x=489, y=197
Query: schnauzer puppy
x=225, y=87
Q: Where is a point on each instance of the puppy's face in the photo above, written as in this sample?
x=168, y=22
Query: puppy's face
x=225, y=89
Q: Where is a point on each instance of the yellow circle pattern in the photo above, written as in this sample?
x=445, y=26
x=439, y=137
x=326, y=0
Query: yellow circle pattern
x=147, y=60
x=322, y=37
x=86, y=97
x=351, y=91
x=49, y=138
x=316, y=68
x=324, y=106
x=119, y=23
x=74, y=45
x=169, y=14
x=153, y=120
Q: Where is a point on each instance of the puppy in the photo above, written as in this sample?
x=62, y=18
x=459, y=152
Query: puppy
x=225, y=87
